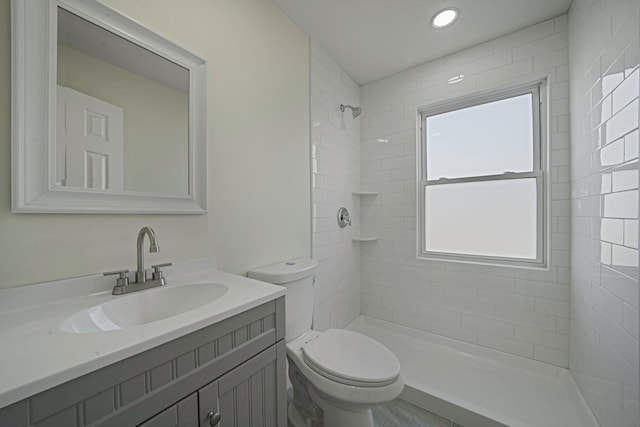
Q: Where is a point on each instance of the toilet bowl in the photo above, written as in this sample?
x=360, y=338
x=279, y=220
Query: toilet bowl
x=348, y=374
x=337, y=375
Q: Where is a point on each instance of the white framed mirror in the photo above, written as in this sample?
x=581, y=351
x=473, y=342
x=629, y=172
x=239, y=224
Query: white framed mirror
x=107, y=116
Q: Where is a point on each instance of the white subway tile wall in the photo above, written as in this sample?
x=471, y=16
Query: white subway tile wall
x=523, y=312
x=604, y=355
x=335, y=157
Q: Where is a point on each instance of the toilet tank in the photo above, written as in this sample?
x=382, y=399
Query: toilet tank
x=297, y=275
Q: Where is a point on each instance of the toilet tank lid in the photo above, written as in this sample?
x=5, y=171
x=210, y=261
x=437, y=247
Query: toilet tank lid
x=285, y=271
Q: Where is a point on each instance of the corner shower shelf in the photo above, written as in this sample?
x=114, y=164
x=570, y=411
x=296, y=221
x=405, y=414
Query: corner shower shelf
x=365, y=239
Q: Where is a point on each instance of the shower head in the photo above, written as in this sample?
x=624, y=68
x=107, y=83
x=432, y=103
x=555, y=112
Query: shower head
x=355, y=111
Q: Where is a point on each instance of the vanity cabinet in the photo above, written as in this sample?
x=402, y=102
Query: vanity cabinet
x=246, y=396
x=235, y=367
x=182, y=414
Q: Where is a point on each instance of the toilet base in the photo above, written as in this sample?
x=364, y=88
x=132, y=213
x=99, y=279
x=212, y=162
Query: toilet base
x=301, y=411
x=337, y=414
x=325, y=413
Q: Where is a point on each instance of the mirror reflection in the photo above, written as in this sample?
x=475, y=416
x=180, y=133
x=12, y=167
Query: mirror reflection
x=122, y=113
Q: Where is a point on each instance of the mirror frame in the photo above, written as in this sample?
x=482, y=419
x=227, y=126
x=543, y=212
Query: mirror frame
x=33, y=115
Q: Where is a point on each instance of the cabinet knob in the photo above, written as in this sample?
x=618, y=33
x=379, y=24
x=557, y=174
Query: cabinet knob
x=214, y=418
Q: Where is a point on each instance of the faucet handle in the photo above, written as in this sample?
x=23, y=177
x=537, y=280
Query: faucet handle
x=156, y=267
x=157, y=274
x=123, y=280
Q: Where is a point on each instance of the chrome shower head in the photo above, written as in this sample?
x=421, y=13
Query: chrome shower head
x=355, y=111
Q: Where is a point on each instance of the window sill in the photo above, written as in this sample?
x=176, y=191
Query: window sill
x=485, y=262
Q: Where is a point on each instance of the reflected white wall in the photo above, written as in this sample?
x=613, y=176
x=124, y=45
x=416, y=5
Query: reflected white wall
x=156, y=120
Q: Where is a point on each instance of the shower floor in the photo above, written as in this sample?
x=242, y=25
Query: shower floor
x=475, y=386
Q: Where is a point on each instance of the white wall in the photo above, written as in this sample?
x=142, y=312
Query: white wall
x=604, y=57
x=523, y=312
x=335, y=148
x=258, y=153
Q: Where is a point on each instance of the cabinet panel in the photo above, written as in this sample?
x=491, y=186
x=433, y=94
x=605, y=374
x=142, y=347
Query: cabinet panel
x=251, y=395
x=182, y=414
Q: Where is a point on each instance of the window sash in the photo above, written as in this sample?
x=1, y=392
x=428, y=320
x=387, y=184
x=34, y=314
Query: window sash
x=538, y=173
x=534, y=90
x=538, y=176
x=506, y=175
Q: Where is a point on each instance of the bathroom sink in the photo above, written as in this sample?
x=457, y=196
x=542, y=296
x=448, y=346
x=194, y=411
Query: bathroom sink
x=142, y=307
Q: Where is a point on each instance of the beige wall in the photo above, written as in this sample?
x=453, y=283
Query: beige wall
x=258, y=126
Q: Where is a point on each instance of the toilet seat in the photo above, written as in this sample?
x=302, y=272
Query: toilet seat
x=351, y=358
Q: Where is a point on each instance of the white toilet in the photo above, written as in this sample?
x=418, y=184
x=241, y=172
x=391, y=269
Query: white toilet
x=337, y=375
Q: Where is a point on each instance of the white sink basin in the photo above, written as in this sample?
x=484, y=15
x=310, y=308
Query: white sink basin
x=142, y=307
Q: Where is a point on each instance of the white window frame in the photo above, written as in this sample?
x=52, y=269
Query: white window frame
x=539, y=172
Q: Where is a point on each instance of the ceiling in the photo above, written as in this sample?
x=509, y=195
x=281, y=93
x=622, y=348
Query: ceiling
x=371, y=39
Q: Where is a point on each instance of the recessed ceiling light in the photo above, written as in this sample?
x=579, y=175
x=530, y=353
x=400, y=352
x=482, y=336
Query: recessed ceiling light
x=445, y=17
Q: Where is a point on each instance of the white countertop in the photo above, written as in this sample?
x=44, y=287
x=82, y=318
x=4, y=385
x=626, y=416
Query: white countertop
x=37, y=354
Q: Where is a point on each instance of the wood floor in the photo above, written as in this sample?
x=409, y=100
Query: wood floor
x=400, y=413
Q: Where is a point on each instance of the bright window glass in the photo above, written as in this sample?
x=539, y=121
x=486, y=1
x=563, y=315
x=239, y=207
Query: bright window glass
x=486, y=139
x=482, y=190
x=489, y=218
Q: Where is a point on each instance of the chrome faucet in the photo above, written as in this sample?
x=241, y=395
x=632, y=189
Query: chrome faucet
x=123, y=286
x=141, y=276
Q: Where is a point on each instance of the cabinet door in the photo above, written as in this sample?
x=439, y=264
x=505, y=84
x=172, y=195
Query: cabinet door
x=251, y=395
x=182, y=414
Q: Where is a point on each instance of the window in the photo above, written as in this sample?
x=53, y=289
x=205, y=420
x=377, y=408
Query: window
x=482, y=179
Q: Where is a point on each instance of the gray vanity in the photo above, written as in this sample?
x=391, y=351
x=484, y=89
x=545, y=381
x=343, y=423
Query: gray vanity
x=222, y=363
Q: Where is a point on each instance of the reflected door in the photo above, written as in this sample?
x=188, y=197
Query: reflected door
x=90, y=142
